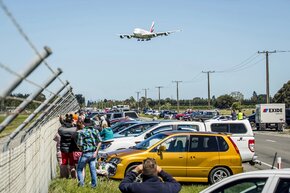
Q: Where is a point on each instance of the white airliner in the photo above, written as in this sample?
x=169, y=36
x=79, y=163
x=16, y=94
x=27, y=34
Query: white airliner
x=142, y=34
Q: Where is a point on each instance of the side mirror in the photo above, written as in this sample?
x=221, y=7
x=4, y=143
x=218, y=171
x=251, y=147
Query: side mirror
x=161, y=149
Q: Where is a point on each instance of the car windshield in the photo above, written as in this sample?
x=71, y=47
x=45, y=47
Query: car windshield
x=150, y=141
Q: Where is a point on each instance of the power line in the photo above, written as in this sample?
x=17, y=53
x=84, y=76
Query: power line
x=241, y=66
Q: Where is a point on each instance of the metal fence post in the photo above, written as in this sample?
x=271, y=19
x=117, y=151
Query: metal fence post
x=22, y=106
x=31, y=117
x=46, y=111
x=34, y=64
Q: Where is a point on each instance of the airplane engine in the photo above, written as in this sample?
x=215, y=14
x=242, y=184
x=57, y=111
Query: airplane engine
x=129, y=37
x=166, y=34
x=121, y=36
x=154, y=35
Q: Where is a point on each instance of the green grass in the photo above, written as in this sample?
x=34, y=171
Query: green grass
x=105, y=186
x=13, y=125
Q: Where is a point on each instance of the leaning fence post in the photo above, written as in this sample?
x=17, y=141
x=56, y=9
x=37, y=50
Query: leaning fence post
x=31, y=117
x=47, y=110
x=34, y=64
x=27, y=101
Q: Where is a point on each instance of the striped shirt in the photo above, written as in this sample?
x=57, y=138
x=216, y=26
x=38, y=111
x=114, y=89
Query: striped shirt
x=88, y=139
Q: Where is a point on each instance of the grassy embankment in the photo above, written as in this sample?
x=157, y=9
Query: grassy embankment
x=105, y=186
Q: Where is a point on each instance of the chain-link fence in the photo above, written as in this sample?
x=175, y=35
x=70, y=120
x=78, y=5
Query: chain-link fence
x=27, y=150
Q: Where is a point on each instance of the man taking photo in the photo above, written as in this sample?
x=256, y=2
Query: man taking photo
x=151, y=182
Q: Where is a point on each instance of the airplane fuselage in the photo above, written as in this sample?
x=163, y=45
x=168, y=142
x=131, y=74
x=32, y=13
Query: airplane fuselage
x=141, y=33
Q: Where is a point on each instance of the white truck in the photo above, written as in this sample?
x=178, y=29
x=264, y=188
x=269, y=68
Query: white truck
x=270, y=116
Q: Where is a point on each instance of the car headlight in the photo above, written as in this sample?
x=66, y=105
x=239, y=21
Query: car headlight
x=115, y=160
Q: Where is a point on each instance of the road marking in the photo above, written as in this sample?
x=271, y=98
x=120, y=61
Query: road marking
x=270, y=140
x=268, y=165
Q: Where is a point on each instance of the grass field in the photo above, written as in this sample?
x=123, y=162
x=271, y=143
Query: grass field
x=12, y=126
x=106, y=186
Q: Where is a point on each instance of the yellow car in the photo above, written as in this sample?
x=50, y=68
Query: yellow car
x=187, y=156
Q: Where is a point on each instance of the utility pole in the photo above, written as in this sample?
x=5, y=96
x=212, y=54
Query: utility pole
x=208, y=87
x=267, y=72
x=177, y=93
x=159, y=87
x=145, y=89
x=138, y=92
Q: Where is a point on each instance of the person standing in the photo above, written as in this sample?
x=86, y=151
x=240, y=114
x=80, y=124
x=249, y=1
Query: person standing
x=151, y=182
x=234, y=115
x=240, y=115
x=89, y=142
x=66, y=149
x=106, y=132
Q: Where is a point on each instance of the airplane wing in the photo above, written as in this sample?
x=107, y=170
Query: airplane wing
x=166, y=33
x=129, y=36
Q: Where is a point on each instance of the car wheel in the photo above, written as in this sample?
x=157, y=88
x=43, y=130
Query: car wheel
x=218, y=174
x=132, y=167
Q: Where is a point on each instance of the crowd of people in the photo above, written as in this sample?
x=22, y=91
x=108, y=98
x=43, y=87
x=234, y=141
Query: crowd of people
x=78, y=141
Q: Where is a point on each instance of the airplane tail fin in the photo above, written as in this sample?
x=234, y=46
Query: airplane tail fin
x=152, y=27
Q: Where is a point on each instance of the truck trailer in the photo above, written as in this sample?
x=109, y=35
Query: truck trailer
x=270, y=116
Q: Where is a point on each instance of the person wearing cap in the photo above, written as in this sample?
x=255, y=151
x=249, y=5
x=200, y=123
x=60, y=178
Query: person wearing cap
x=89, y=142
x=151, y=182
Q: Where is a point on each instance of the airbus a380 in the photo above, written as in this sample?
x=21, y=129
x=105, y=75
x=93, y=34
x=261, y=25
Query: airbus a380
x=142, y=34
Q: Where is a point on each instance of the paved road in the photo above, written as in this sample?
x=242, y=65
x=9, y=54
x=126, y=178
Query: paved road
x=268, y=143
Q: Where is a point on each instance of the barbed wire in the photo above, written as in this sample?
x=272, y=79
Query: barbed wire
x=5, y=67
x=27, y=39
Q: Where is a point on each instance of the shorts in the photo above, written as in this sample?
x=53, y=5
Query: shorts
x=67, y=158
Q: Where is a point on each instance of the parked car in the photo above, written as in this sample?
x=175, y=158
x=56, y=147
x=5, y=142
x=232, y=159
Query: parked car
x=222, y=117
x=135, y=129
x=122, y=125
x=187, y=156
x=242, y=135
x=123, y=114
x=167, y=113
x=262, y=181
x=205, y=115
x=126, y=142
x=170, y=115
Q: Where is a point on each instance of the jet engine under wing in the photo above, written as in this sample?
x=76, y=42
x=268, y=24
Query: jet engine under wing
x=125, y=36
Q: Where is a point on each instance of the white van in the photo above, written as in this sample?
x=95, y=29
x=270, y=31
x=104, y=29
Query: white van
x=242, y=135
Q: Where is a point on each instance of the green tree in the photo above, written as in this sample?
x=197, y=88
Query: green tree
x=224, y=101
x=283, y=95
x=81, y=99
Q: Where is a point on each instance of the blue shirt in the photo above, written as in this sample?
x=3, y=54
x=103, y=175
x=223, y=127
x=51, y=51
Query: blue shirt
x=107, y=134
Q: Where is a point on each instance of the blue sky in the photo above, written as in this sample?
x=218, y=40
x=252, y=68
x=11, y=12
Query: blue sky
x=216, y=36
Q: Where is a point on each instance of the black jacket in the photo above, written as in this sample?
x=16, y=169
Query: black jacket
x=150, y=184
x=67, y=144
